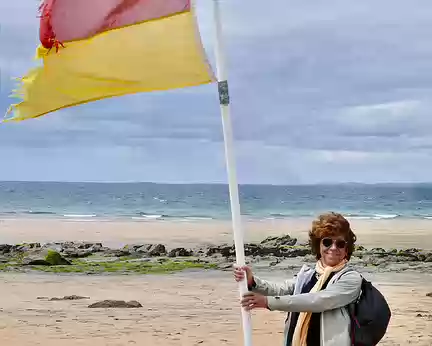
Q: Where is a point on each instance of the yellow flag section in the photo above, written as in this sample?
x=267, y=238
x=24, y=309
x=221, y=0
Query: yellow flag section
x=155, y=55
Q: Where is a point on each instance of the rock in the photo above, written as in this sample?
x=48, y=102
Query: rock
x=427, y=257
x=140, y=248
x=55, y=259
x=429, y=294
x=133, y=247
x=146, y=249
x=117, y=252
x=54, y=246
x=295, y=251
x=251, y=249
x=408, y=255
x=72, y=297
x=180, y=252
x=82, y=246
x=45, y=257
x=259, y=250
x=224, y=250
x=33, y=261
x=72, y=253
x=278, y=241
x=274, y=263
x=157, y=250
x=106, y=304
x=3, y=259
x=5, y=249
x=20, y=248
x=225, y=266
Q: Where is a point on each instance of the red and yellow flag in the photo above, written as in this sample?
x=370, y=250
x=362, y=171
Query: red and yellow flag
x=95, y=49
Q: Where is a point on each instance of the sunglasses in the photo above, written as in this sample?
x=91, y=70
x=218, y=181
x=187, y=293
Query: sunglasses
x=328, y=242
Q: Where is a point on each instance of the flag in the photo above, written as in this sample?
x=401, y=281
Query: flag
x=95, y=49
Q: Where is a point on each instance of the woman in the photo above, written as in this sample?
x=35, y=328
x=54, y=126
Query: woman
x=317, y=299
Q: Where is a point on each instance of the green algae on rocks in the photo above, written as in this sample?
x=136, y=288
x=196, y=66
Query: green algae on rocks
x=120, y=267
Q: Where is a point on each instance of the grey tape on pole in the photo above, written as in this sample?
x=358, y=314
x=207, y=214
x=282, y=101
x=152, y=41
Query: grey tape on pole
x=224, y=98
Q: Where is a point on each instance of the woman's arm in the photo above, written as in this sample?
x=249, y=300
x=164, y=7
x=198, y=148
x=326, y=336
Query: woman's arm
x=337, y=295
x=269, y=288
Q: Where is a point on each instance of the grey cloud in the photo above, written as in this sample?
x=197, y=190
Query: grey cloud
x=315, y=85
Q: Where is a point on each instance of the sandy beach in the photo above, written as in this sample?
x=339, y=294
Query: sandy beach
x=189, y=308
x=371, y=233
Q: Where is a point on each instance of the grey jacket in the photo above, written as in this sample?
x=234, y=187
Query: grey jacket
x=343, y=289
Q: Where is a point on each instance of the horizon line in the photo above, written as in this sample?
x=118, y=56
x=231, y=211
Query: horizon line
x=215, y=183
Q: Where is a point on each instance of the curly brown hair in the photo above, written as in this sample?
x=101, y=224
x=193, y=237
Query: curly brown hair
x=331, y=225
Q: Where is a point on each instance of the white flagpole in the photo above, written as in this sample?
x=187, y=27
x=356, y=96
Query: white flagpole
x=230, y=163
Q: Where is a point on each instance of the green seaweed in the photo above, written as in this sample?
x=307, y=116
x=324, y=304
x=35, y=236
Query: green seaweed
x=55, y=259
x=120, y=267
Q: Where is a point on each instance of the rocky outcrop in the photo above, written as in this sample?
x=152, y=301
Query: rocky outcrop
x=275, y=251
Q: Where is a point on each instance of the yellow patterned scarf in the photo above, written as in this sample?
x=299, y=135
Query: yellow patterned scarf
x=302, y=326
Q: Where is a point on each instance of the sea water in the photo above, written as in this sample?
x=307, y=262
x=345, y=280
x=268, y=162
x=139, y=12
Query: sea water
x=148, y=201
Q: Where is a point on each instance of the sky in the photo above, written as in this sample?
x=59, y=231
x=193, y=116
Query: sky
x=322, y=92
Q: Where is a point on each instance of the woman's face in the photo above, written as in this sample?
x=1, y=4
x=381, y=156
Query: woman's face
x=333, y=250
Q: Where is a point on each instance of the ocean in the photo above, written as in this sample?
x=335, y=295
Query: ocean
x=148, y=201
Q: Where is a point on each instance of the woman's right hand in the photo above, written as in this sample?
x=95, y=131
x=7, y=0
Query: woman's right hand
x=239, y=274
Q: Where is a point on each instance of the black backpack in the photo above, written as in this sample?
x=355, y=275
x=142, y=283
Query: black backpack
x=370, y=316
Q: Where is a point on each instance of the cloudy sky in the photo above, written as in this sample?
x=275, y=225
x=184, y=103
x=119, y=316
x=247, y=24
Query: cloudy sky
x=322, y=91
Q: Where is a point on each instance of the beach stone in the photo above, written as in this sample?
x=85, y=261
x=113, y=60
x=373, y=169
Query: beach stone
x=429, y=294
x=278, y=241
x=107, y=304
x=180, y=252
